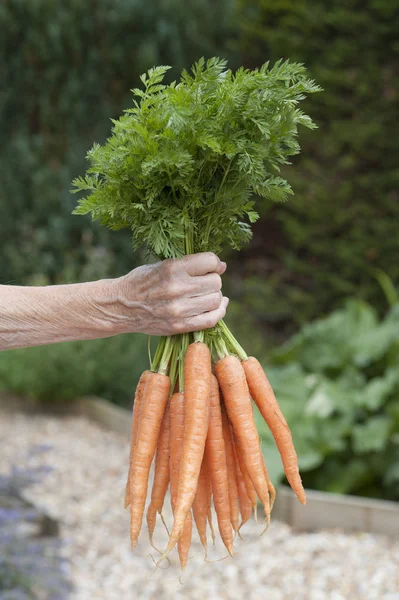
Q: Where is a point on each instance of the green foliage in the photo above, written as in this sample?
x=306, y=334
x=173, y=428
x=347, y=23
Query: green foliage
x=337, y=382
x=109, y=368
x=186, y=159
x=66, y=69
x=321, y=247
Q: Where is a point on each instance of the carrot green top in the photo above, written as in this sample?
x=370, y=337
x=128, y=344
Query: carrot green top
x=182, y=164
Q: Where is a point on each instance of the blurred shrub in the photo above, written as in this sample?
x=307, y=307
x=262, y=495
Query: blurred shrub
x=337, y=381
x=66, y=69
x=108, y=367
x=317, y=249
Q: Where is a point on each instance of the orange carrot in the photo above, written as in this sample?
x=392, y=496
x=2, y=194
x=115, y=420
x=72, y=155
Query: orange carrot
x=184, y=541
x=270, y=486
x=175, y=453
x=208, y=496
x=135, y=423
x=231, y=472
x=161, y=475
x=197, y=383
x=244, y=476
x=152, y=410
x=233, y=384
x=244, y=500
x=200, y=505
x=216, y=456
x=176, y=419
x=263, y=395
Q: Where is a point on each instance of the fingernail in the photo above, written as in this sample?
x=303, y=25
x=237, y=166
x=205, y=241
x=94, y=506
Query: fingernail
x=227, y=300
x=224, y=265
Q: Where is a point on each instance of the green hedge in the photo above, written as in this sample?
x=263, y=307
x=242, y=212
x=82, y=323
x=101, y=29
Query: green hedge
x=66, y=69
x=343, y=220
x=109, y=368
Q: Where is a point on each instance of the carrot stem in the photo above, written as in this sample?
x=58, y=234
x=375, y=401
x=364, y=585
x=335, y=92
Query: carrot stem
x=199, y=336
x=183, y=350
x=165, y=358
x=232, y=342
x=149, y=350
x=173, y=370
x=221, y=349
x=158, y=353
x=189, y=240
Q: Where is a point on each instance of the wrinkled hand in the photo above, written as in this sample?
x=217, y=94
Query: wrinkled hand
x=173, y=296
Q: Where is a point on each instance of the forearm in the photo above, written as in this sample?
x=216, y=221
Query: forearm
x=32, y=316
x=166, y=298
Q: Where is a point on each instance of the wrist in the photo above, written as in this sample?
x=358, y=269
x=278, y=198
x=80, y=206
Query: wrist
x=103, y=307
x=115, y=306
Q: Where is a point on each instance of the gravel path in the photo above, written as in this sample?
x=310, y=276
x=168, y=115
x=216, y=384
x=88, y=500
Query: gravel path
x=85, y=490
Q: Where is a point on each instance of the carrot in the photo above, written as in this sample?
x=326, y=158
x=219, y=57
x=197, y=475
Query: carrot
x=216, y=456
x=231, y=377
x=244, y=500
x=231, y=472
x=244, y=476
x=135, y=423
x=152, y=410
x=161, y=475
x=270, y=486
x=184, y=541
x=208, y=496
x=197, y=383
x=200, y=505
x=263, y=395
x=176, y=429
x=175, y=453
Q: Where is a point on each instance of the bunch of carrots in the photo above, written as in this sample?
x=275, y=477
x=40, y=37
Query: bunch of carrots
x=184, y=169
x=193, y=413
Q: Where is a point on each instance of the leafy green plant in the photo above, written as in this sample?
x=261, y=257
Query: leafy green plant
x=182, y=165
x=337, y=381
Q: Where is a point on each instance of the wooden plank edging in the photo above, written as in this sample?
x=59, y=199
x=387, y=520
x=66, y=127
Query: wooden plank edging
x=113, y=417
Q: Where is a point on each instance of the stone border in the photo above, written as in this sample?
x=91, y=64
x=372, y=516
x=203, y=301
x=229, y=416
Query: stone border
x=323, y=509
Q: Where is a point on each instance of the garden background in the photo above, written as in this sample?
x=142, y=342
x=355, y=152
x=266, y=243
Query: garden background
x=314, y=294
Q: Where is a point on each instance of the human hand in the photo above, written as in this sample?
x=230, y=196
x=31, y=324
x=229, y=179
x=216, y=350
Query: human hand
x=172, y=296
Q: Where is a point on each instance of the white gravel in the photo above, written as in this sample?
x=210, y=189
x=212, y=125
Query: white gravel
x=85, y=493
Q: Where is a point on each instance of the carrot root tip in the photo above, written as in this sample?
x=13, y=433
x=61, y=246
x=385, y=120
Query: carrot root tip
x=155, y=548
x=215, y=560
x=266, y=528
x=164, y=523
x=156, y=567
